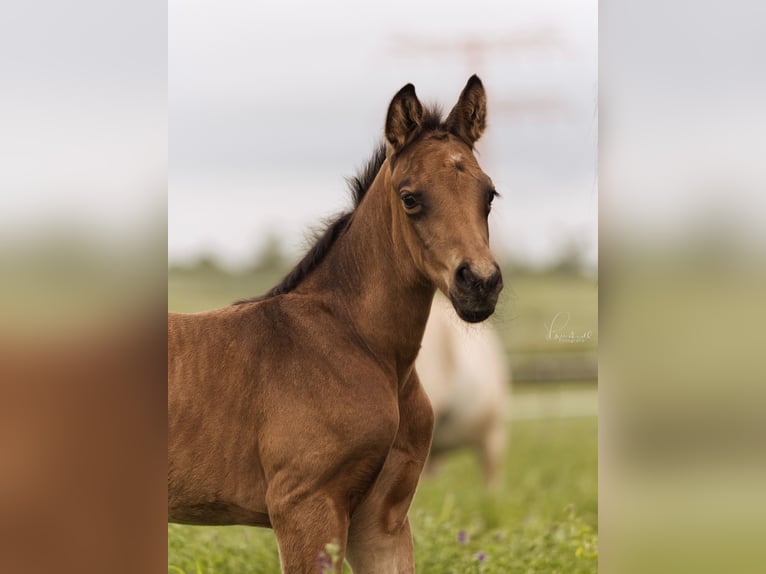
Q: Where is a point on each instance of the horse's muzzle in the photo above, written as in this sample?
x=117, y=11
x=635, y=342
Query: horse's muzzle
x=474, y=297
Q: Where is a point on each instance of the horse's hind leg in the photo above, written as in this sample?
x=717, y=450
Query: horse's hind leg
x=304, y=529
x=492, y=451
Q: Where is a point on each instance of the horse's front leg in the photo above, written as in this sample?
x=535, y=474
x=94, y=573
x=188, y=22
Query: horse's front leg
x=318, y=483
x=379, y=538
x=305, y=527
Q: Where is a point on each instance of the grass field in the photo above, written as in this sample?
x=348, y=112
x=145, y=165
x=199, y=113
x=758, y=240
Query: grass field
x=542, y=517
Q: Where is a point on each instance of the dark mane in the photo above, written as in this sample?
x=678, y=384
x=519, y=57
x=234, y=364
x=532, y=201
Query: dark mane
x=325, y=237
x=432, y=119
x=362, y=181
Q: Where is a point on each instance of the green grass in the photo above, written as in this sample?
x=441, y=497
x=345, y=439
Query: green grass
x=542, y=519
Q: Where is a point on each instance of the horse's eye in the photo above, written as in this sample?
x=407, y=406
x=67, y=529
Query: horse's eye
x=409, y=201
x=491, y=194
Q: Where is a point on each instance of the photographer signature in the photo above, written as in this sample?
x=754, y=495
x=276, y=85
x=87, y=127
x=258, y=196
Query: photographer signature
x=556, y=330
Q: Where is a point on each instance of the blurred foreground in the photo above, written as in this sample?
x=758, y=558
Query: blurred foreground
x=682, y=412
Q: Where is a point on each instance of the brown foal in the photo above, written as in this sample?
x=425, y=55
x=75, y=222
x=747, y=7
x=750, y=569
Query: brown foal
x=301, y=410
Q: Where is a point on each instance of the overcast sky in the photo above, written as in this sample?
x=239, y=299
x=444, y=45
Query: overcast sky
x=272, y=104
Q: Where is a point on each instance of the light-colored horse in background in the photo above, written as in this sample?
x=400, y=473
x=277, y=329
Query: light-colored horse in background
x=466, y=374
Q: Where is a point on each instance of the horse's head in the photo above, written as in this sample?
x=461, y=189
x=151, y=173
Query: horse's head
x=442, y=198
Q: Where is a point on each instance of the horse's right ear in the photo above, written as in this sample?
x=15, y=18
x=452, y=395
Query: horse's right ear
x=405, y=114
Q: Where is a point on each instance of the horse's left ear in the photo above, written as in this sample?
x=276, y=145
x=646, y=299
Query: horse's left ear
x=468, y=118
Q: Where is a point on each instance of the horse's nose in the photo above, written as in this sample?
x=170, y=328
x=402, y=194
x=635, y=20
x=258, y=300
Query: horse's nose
x=468, y=279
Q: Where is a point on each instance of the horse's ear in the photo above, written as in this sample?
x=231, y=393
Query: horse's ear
x=405, y=115
x=468, y=118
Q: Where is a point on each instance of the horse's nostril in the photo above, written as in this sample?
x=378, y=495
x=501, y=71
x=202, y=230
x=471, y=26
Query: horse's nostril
x=494, y=280
x=467, y=280
x=463, y=274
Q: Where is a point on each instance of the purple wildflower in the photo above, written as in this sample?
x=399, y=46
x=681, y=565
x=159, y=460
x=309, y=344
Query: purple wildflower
x=480, y=556
x=324, y=562
x=462, y=537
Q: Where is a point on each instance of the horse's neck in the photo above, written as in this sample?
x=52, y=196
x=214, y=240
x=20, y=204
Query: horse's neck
x=370, y=279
